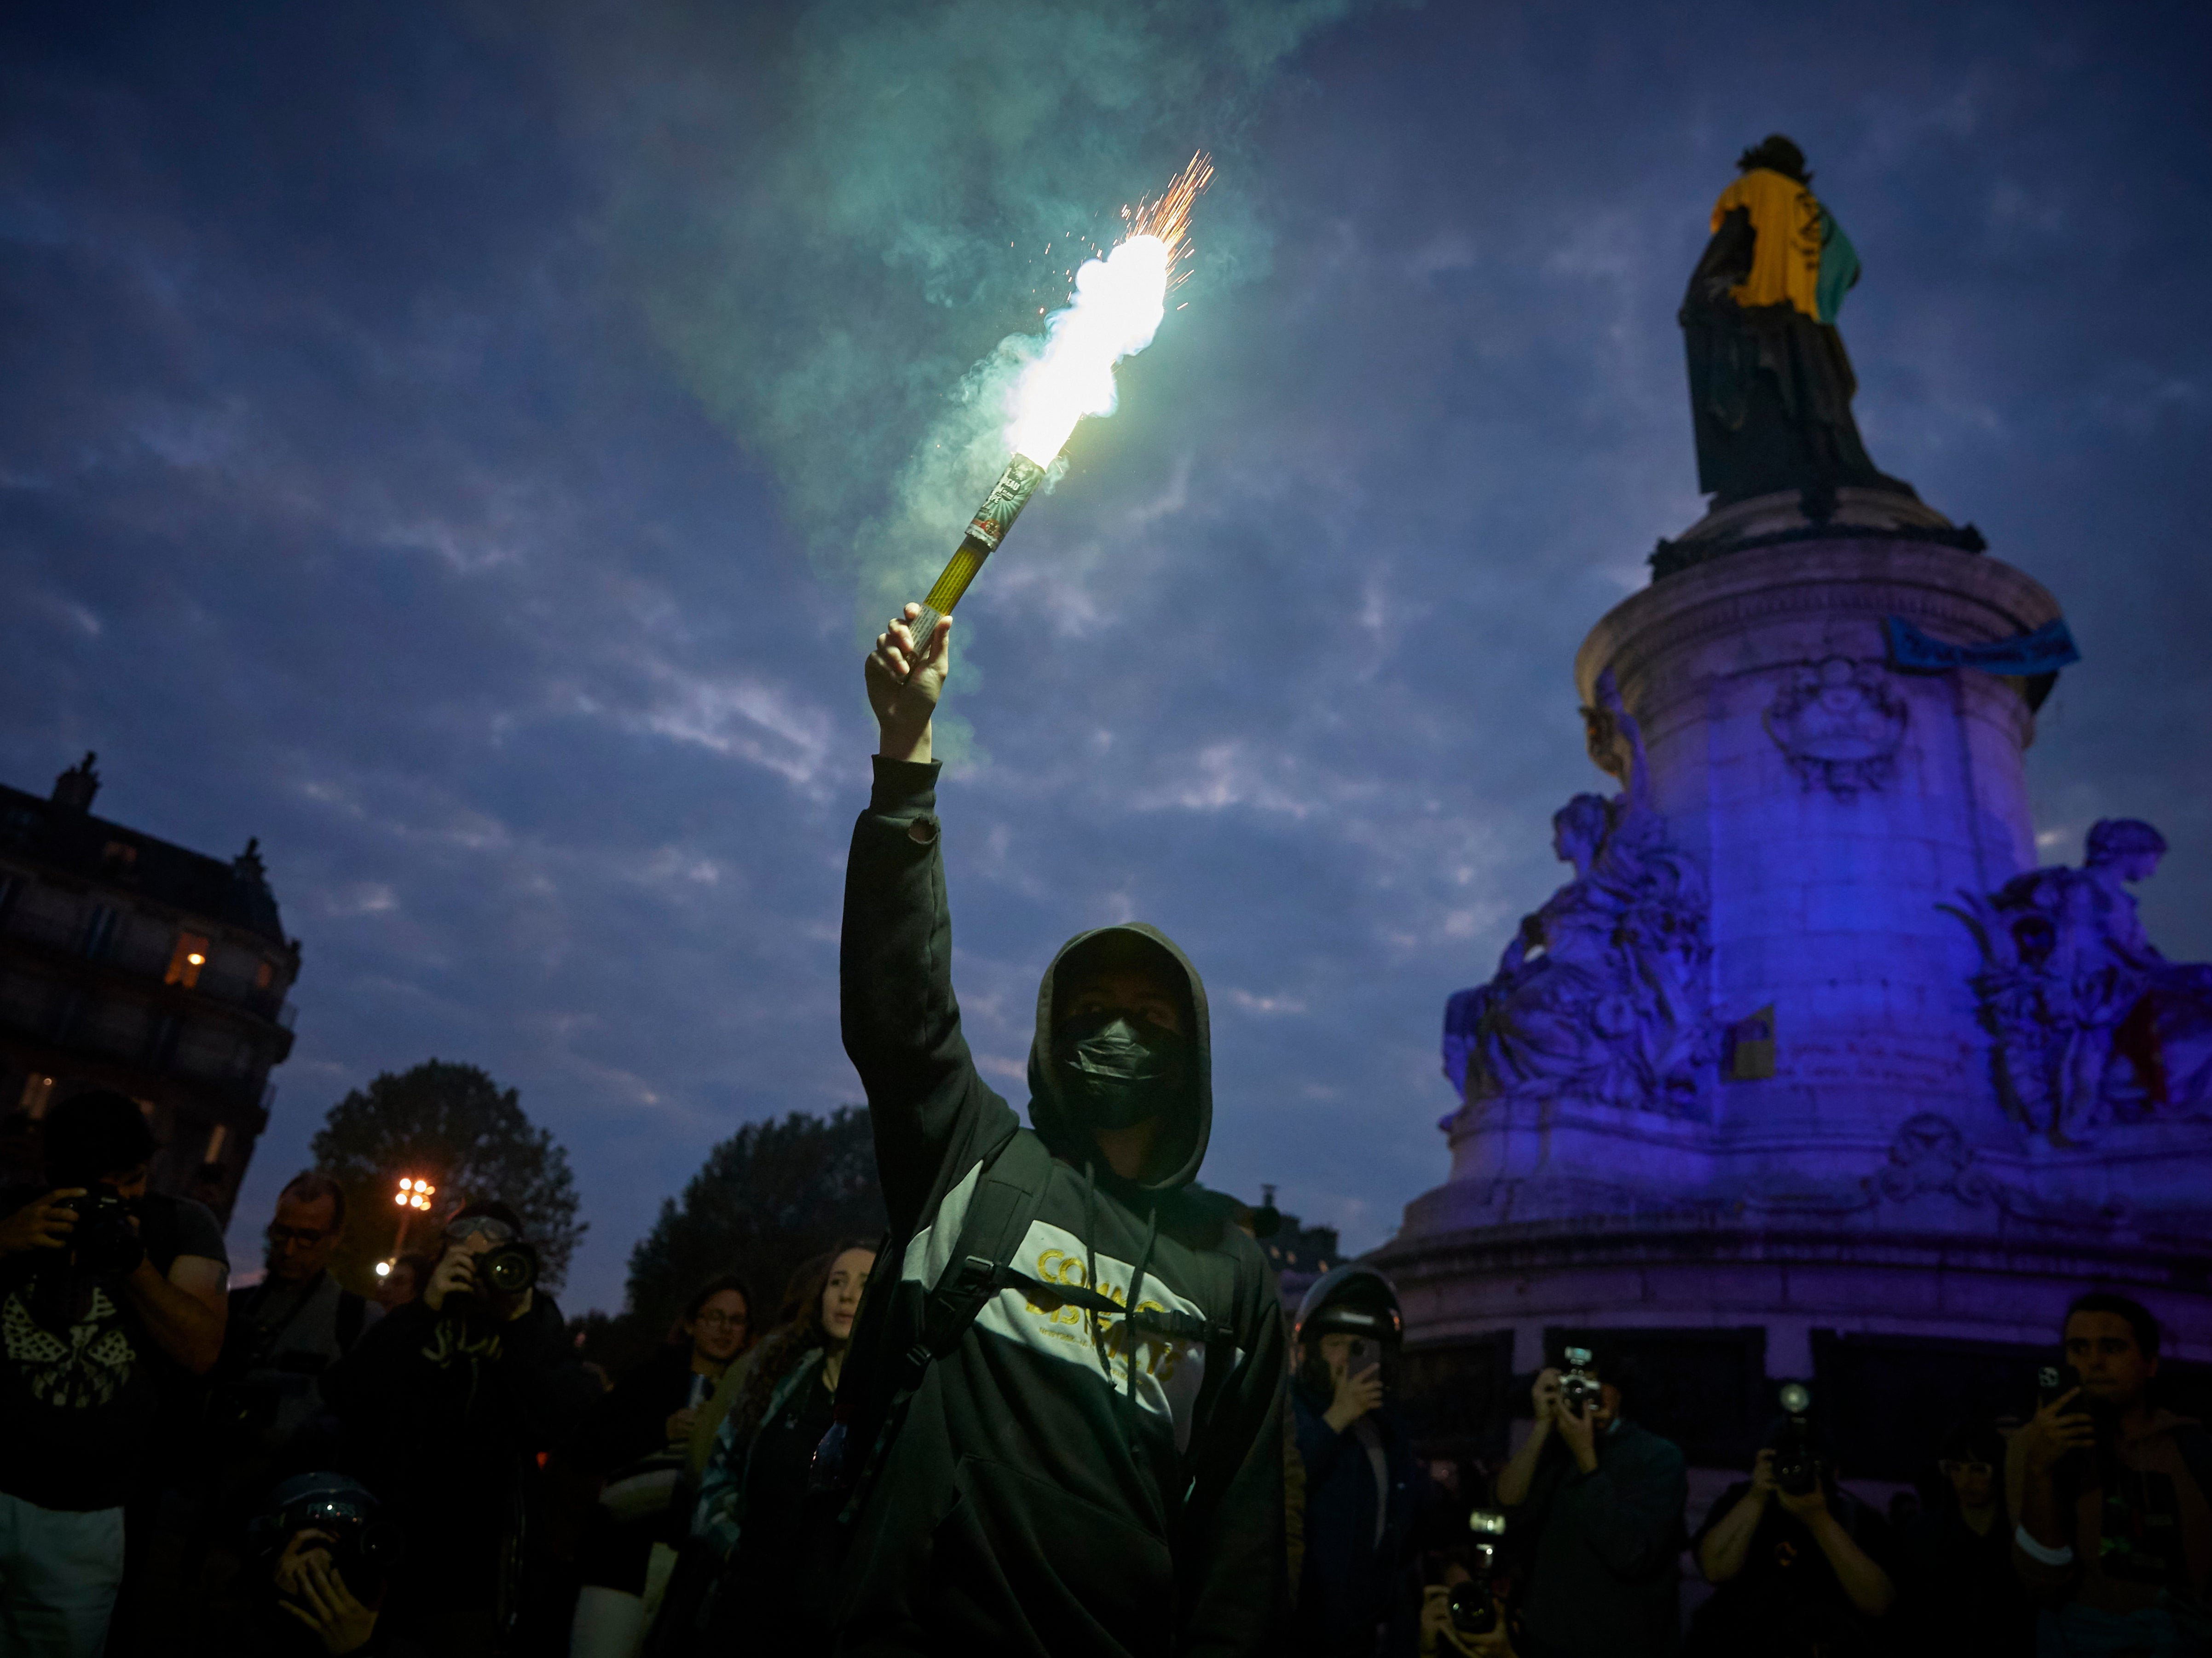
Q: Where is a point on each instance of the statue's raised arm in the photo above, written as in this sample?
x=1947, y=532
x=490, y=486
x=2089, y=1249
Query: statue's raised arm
x=1616, y=744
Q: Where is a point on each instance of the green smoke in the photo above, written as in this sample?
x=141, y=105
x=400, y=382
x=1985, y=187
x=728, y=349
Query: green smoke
x=846, y=253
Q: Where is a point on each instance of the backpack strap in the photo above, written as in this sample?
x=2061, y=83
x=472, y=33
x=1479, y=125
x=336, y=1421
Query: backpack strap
x=1009, y=1191
x=353, y=1312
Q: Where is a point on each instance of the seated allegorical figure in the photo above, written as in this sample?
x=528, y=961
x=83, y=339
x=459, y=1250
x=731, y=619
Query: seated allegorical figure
x=2092, y=1024
x=1599, y=994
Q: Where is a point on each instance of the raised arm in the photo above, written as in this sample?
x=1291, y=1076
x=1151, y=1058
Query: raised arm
x=1638, y=779
x=185, y=1309
x=1726, y=1542
x=931, y=1111
x=1519, y=1472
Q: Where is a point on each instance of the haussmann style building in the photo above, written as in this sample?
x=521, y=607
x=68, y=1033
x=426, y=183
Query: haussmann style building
x=127, y=962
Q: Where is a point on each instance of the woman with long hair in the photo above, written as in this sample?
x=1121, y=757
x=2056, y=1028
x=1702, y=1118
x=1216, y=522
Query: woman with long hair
x=750, y=1492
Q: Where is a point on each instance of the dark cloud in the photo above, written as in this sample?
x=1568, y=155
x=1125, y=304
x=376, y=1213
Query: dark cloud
x=411, y=450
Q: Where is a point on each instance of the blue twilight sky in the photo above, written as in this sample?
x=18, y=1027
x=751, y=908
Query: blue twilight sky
x=458, y=446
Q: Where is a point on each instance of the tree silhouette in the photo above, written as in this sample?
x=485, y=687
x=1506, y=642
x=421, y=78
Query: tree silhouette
x=768, y=1198
x=453, y=1126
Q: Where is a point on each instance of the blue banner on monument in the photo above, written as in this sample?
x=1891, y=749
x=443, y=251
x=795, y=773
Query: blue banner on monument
x=2046, y=650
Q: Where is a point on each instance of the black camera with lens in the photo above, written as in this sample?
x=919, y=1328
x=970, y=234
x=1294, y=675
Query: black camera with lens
x=509, y=1270
x=364, y=1547
x=1797, y=1463
x=1475, y=1601
x=103, y=1243
x=505, y=1269
x=1579, y=1391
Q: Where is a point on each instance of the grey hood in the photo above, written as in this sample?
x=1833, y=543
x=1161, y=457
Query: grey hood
x=1185, y=1147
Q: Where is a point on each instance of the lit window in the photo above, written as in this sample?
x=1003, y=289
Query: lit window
x=191, y=954
x=264, y=974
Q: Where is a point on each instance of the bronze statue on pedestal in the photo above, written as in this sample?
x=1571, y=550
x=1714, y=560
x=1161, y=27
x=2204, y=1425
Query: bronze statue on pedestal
x=1771, y=385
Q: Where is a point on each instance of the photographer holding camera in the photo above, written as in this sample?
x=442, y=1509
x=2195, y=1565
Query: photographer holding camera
x=447, y=1404
x=1461, y=1617
x=1601, y=1498
x=1803, y=1567
x=112, y=1298
x=323, y=1558
x=1360, y=1474
x=2114, y=1537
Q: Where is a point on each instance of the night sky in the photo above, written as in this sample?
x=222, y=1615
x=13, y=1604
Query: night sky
x=465, y=448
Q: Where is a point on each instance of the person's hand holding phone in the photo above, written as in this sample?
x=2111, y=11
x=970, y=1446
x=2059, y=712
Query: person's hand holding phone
x=1358, y=1391
x=2059, y=1427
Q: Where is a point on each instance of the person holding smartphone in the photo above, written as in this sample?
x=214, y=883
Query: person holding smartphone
x=1361, y=1476
x=2112, y=1497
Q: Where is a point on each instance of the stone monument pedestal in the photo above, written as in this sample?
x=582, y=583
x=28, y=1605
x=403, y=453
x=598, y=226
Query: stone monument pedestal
x=1833, y=1186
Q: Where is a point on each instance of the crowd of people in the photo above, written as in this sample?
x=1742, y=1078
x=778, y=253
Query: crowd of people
x=296, y=1468
x=1056, y=1409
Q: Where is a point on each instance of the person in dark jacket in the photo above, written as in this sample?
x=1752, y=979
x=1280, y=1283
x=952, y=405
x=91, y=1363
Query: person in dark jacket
x=1063, y=1482
x=632, y=1444
x=1361, y=1476
x=1595, y=1505
x=445, y=1406
x=1960, y=1593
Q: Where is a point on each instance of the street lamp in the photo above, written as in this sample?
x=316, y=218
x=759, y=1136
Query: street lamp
x=413, y=1195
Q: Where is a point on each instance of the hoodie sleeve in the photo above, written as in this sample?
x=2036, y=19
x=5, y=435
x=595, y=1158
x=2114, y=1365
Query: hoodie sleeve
x=1232, y=1565
x=932, y=1114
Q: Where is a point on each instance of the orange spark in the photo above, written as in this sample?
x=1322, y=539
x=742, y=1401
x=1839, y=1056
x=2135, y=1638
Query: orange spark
x=1167, y=215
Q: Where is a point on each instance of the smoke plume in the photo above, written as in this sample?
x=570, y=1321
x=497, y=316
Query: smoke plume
x=928, y=176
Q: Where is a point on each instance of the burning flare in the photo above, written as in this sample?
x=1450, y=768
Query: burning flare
x=1113, y=313
x=1115, y=309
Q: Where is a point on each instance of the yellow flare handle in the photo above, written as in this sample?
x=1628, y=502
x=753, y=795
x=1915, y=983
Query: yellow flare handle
x=985, y=532
x=959, y=570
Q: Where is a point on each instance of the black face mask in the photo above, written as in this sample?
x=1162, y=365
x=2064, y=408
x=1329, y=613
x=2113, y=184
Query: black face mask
x=1115, y=1072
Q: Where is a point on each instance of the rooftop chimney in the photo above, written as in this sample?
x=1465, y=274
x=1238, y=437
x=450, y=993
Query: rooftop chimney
x=74, y=788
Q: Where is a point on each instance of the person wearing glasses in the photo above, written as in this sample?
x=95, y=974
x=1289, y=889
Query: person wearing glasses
x=448, y=1406
x=286, y=1330
x=1961, y=1594
x=634, y=1445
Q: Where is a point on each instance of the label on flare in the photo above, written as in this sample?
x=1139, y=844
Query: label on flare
x=1004, y=504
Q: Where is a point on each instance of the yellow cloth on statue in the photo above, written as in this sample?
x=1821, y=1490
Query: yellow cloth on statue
x=1785, y=259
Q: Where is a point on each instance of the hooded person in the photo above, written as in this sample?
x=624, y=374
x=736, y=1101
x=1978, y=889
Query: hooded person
x=1361, y=1478
x=1041, y=1492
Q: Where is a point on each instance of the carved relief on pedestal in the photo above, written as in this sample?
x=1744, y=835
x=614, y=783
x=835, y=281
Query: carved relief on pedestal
x=1930, y=1156
x=2090, y=1024
x=1601, y=996
x=1839, y=724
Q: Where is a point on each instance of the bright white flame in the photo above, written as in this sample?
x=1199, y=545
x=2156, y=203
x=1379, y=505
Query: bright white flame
x=383, y=1268
x=1113, y=312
